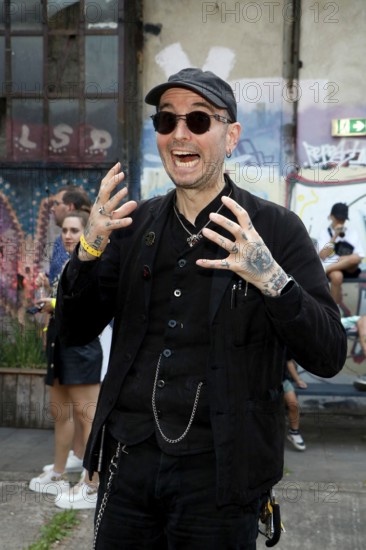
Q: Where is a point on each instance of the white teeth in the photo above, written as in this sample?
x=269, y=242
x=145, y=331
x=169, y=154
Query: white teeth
x=182, y=153
x=186, y=164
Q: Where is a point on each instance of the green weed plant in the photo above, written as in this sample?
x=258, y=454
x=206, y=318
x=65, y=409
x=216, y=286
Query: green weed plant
x=59, y=527
x=21, y=345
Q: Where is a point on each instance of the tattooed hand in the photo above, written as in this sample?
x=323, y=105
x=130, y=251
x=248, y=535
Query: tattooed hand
x=248, y=256
x=106, y=214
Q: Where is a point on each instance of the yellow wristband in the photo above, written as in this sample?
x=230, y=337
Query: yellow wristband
x=53, y=303
x=90, y=249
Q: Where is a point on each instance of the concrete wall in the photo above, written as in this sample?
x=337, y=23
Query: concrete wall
x=240, y=41
x=243, y=42
x=332, y=49
x=331, y=87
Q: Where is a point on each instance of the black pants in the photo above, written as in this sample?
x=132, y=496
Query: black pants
x=159, y=502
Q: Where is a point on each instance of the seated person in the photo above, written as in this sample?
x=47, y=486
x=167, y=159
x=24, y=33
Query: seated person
x=340, y=250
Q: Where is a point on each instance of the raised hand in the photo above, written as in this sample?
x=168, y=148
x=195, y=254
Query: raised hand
x=248, y=256
x=106, y=214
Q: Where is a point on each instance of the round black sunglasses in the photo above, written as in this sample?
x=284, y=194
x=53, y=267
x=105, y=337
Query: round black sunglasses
x=197, y=122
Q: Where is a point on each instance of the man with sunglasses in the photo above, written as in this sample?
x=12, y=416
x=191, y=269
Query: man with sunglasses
x=208, y=287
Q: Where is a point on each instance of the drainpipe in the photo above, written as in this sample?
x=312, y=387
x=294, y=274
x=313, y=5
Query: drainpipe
x=130, y=104
x=291, y=91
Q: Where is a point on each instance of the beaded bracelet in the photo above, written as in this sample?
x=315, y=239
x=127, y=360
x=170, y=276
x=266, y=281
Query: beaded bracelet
x=92, y=251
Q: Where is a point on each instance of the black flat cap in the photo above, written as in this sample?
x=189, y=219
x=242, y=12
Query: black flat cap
x=205, y=83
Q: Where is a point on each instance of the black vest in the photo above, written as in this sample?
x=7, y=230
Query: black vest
x=178, y=340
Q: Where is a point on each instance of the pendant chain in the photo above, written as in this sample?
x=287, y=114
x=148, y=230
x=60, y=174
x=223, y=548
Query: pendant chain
x=194, y=238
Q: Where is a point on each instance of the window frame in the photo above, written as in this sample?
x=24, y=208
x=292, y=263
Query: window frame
x=7, y=95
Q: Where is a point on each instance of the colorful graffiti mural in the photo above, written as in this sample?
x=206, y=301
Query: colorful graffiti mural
x=27, y=229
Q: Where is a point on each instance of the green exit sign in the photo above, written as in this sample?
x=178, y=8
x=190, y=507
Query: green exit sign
x=353, y=127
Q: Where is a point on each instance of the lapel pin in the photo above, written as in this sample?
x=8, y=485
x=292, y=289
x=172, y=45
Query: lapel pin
x=150, y=238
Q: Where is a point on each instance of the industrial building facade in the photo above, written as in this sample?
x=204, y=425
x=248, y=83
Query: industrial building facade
x=73, y=75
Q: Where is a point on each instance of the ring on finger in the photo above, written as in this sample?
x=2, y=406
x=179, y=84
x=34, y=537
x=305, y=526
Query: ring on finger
x=103, y=212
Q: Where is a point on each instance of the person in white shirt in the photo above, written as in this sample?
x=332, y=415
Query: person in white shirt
x=341, y=250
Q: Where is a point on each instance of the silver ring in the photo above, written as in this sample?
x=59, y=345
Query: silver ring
x=103, y=212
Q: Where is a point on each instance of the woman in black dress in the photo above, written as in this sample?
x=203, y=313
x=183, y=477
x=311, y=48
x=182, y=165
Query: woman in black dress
x=73, y=376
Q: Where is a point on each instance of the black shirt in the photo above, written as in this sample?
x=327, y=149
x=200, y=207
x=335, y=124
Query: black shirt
x=178, y=334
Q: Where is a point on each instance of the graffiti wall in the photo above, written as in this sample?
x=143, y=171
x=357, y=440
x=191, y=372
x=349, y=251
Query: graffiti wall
x=312, y=201
x=320, y=106
x=27, y=228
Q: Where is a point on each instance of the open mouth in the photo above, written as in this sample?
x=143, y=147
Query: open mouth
x=185, y=158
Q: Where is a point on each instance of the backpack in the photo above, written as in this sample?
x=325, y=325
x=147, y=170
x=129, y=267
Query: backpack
x=343, y=248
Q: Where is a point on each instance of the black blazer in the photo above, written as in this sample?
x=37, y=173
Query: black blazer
x=246, y=356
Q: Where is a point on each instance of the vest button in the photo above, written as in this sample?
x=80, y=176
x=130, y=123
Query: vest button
x=177, y=292
x=172, y=323
x=182, y=263
x=160, y=383
x=167, y=352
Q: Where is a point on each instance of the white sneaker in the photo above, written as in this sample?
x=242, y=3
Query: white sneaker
x=80, y=497
x=296, y=440
x=73, y=464
x=50, y=484
x=360, y=383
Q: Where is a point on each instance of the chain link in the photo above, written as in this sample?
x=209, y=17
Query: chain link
x=155, y=412
x=114, y=460
x=112, y=471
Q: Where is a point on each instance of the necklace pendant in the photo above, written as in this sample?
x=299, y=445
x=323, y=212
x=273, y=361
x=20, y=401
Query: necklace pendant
x=193, y=239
